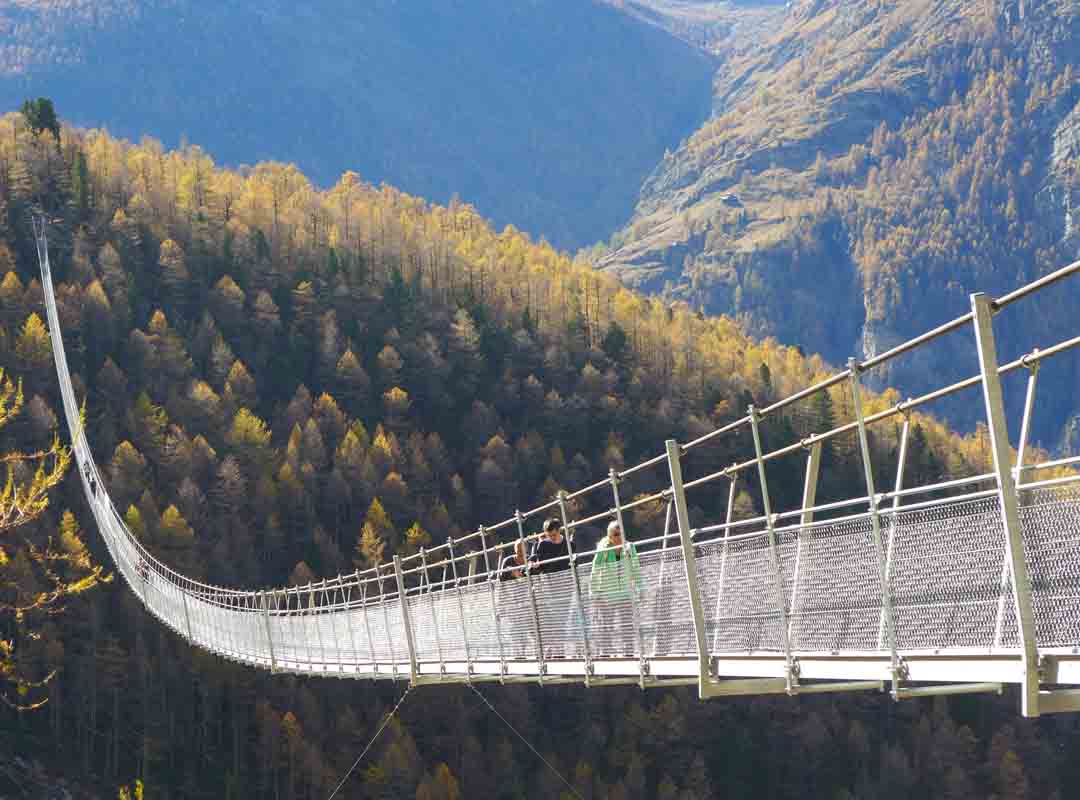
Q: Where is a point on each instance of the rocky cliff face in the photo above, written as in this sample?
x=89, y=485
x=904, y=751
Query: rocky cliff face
x=1063, y=170
x=1063, y=202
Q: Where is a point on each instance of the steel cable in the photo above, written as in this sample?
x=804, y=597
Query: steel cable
x=549, y=765
x=360, y=758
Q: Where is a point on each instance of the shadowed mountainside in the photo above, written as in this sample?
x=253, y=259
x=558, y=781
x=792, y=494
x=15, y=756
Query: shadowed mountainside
x=546, y=114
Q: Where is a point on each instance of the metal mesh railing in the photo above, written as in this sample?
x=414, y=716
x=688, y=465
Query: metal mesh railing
x=1051, y=520
x=947, y=571
x=943, y=561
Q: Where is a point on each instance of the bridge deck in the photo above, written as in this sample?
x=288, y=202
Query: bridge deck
x=954, y=618
x=920, y=592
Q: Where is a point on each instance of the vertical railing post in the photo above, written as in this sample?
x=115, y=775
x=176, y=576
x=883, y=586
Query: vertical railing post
x=386, y=623
x=232, y=614
x=367, y=623
x=332, y=615
x=1010, y=507
x=301, y=617
x=682, y=515
x=187, y=615
x=346, y=600
x=890, y=546
x=577, y=586
x=207, y=621
x=414, y=669
x=231, y=634
x=541, y=664
x=626, y=564
x=254, y=608
x=661, y=588
x=791, y=671
x=461, y=605
x=1025, y=426
x=875, y=526
x=728, y=518
x=243, y=606
x=434, y=616
x=269, y=637
x=809, y=500
x=314, y=614
x=1018, y=478
x=493, y=578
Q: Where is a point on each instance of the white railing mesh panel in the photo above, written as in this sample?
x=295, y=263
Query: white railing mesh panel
x=947, y=569
x=739, y=591
x=1051, y=522
x=556, y=608
x=476, y=598
x=949, y=584
x=666, y=617
x=517, y=630
x=837, y=600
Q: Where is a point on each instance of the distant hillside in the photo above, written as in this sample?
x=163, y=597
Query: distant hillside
x=546, y=114
x=867, y=167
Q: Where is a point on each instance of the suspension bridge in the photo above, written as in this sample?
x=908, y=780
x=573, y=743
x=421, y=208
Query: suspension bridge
x=961, y=586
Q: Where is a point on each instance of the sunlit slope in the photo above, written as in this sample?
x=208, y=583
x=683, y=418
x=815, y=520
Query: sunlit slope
x=868, y=166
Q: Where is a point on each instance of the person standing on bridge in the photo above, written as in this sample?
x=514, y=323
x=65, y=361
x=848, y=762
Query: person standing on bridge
x=513, y=565
x=549, y=559
x=614, y=587
x=512, y=604
x=549, y=554
x=90, y=480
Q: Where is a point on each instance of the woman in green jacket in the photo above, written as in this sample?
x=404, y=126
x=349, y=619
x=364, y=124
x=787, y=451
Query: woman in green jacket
x=614, y=589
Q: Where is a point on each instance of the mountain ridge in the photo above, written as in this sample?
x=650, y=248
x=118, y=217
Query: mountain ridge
x=521, y=110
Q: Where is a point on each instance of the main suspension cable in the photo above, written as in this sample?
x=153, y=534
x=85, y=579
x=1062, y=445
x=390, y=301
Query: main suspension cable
x=569, y=786
x=360, y=758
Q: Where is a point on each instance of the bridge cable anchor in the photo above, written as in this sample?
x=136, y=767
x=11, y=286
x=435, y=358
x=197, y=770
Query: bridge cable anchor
x=900, y=673
x=643, y=671
x=791, y=676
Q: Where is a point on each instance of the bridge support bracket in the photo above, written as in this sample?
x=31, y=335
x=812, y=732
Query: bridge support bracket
x=912, y=692
x=1057, y=701
x=737, y=687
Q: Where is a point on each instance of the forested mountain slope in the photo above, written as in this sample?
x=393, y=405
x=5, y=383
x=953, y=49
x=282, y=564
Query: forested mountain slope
x=545, y=114
x=869, y=166
x=283, y=383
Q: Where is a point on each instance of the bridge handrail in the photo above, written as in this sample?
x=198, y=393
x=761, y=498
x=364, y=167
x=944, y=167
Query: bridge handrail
x=376, y=575
x=393, y=590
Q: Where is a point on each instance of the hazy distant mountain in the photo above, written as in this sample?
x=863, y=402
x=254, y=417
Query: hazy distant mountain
x=547, y=114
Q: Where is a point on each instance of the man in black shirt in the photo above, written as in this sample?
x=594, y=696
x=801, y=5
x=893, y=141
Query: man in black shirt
x=561, y=618
x=548, y=547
